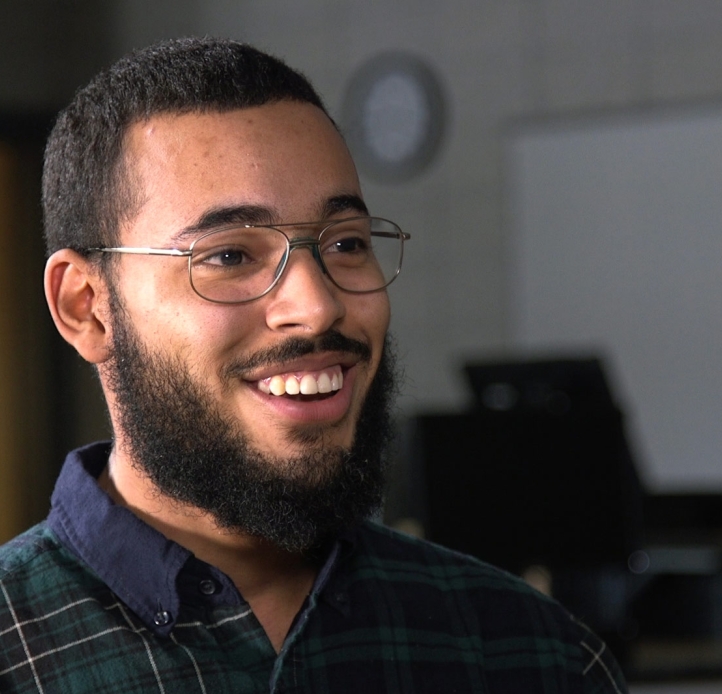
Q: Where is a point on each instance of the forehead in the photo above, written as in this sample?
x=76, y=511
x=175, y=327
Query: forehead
x=286, y=158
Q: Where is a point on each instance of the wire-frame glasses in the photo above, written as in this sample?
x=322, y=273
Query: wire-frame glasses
x=241, y=263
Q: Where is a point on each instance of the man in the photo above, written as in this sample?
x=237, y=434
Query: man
x=211, y=254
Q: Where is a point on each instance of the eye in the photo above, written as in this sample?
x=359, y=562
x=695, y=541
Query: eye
x=348, y=237
x=224, y=257
x=348, y=244
x=228, y=257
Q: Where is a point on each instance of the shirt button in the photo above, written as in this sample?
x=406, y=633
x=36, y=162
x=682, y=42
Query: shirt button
x=208, y=586
x=162, y=618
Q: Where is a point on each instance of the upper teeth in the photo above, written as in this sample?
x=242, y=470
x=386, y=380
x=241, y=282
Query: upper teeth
x=308, y=384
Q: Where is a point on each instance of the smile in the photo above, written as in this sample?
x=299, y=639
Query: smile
x=322, y=382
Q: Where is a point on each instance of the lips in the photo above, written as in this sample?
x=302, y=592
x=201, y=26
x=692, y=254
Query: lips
x=312, y=388
x=315, y=376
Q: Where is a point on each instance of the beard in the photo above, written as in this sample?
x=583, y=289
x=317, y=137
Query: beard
x=194, y=454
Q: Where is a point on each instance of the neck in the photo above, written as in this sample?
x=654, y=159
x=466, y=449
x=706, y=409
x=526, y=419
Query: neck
x=273, y=581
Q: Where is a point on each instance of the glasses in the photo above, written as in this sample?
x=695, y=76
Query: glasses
x=238, y=264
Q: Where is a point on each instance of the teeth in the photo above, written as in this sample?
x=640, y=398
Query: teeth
x=292, y=386
x=324, y=383
x=278, y=385
x=308, y=384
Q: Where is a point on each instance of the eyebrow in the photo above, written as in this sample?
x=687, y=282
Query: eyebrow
x=343, y=203
x=224, y=216
x=258, y=214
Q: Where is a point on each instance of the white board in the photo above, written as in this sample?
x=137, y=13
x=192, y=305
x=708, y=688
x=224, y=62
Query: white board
x=615, y=239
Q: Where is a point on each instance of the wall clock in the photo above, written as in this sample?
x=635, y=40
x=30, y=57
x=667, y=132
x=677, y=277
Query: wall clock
x=393, y=117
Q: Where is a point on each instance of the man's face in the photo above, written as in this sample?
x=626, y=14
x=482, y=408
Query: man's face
x=278, y=163
x=188, y=382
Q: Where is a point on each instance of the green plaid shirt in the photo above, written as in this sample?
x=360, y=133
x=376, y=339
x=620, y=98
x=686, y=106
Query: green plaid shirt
x=388, y=613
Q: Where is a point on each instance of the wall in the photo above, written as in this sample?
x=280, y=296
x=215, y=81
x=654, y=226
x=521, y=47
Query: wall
x=615, y=224
x=500, y=60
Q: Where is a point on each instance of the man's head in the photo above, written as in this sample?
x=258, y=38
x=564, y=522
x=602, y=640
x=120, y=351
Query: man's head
x=217, y=135
x=87, y=189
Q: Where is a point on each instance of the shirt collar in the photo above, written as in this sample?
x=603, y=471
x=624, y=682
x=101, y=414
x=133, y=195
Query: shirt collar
x=114, y=542
x=146, y=570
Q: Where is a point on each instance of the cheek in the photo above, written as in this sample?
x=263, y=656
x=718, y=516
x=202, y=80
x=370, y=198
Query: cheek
x=378, y=314
x=154, y=283
x=369, y=314
x=167, y=314
x=208, y=334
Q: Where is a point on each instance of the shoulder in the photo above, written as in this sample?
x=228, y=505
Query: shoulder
x=512, y=622
x=51, y=602
x=26, y=549
x=424, y=567
x=38, y=573
x=392, y=551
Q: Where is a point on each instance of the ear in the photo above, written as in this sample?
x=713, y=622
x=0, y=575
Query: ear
x=77, y=298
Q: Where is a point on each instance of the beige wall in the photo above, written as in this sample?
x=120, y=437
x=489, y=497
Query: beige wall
x=500, y=60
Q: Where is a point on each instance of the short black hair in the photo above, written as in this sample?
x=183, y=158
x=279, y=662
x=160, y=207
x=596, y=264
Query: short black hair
x=87, y=189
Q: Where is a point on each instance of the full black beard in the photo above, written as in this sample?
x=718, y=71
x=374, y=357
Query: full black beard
x=194, y=454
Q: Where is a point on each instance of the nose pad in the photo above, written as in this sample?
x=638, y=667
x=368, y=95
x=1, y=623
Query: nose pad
x=313, y=246
x=316, y=253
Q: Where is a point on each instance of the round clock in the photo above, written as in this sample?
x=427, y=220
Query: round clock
x=393, y=117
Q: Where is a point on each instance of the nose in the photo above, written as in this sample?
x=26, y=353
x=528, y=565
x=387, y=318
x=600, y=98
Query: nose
x=304, y=299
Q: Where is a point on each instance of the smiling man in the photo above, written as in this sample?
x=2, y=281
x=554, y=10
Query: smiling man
x=211, y=253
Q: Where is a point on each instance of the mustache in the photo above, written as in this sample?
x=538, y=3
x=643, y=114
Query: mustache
x=294, y=348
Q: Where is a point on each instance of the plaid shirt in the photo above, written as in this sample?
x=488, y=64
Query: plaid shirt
x=80, y=611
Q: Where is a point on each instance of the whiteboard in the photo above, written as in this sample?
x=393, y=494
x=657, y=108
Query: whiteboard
x=615, y=248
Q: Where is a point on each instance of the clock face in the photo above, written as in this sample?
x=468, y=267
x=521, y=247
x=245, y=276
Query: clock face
x=393, y=117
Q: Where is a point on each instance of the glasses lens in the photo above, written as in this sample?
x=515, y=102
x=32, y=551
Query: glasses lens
x=242, y=264
x=239, y=264
x=362, y=255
